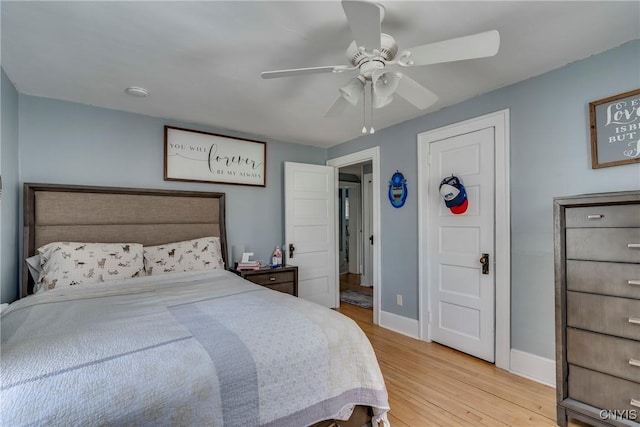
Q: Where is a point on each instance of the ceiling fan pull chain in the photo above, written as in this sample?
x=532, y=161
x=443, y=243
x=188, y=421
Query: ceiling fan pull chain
x=371, y=130
x=364, y=111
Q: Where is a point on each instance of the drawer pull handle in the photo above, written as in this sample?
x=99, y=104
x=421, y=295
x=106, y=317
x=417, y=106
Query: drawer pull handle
x=599, y=216
x=634, y=362
x=634, y=320
x=634, y=282
x=273, y=279
x=633, y=245
x=635, y=402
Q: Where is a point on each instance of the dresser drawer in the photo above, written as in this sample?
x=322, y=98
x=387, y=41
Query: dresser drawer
x=603, y=216
x=608, y=315
x=287, y=288
x=602, y=390
x=607, y=278
x=603, y=244
x=610, y=355
x=271, y=278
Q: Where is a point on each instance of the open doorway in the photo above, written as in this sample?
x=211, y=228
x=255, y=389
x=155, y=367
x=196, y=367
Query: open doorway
x=354, y=242
x=372, y=241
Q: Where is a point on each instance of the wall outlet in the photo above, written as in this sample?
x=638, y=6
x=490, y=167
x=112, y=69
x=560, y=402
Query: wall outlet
x=399, y=299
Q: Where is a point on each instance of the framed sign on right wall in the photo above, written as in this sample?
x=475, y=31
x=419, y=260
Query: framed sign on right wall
x=615, y=130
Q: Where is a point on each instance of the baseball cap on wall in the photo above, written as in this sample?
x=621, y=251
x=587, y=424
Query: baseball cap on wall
x=454, y=194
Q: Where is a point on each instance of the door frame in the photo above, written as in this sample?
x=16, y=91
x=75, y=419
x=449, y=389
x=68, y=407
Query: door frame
x=500, y=122
x=372, y=155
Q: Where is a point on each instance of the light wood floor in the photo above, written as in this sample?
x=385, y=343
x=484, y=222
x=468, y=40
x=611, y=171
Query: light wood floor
x=433, y=385
x=352, y=281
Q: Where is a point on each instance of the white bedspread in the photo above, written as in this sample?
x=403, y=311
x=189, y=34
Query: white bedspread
x=203, y=348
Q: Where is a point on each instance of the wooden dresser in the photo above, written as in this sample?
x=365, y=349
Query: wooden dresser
x=597, y=280
x=283, y=279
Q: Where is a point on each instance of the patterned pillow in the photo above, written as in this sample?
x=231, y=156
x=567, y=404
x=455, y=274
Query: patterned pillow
x=33, y=264
x=65, y=264
x=190, y=255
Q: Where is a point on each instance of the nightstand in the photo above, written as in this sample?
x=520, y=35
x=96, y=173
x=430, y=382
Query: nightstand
x=283, y=279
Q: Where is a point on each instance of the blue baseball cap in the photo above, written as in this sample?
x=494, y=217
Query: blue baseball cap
x=454, y=194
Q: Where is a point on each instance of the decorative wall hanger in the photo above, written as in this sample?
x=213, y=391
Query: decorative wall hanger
x=454, y=195
x=397, y=190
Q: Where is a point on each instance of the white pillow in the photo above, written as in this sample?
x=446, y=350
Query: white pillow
x=190, y=255
x=33, y=264
x=65, y=264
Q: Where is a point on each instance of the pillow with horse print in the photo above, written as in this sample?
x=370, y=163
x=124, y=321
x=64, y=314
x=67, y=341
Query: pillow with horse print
x=190, y=255
x=65, y=264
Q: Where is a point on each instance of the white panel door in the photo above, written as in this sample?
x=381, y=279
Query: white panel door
x=462, y=297
x=310, y=230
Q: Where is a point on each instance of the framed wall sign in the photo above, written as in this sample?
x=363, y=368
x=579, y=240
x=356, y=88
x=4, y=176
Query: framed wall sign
x=615, y=130
x=206, y=157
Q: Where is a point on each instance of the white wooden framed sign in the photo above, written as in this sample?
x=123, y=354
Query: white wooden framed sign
x=197, y=156
x=615, y=130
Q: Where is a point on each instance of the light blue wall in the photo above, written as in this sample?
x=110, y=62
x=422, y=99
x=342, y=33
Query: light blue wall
x=9, y=230
x=70, y=143
x=550, y=156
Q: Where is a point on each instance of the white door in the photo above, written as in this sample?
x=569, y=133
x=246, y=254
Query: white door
x=462, y=296
x=309, y=204
x=367, y=210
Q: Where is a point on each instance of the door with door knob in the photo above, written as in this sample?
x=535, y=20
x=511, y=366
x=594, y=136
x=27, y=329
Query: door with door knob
x=461, y=275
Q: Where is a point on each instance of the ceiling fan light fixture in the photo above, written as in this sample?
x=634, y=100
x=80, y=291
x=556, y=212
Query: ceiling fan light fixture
x=381, y=101
x=384, y=84
x=353, y=90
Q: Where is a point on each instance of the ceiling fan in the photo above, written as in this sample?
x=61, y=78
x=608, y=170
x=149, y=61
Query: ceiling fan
x=373, y=51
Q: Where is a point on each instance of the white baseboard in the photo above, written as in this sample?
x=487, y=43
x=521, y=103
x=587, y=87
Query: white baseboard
x=533, y=367
x=400, y=324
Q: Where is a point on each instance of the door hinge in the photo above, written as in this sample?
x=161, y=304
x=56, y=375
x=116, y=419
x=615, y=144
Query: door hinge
x=429, y=316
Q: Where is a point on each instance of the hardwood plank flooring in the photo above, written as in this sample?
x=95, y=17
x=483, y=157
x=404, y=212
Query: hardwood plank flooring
x=352, y=281
x=433, y=385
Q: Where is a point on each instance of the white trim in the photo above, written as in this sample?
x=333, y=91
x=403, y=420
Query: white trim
x=400, y=324
x=373, y=155
x=533, y=367
x=500, y=122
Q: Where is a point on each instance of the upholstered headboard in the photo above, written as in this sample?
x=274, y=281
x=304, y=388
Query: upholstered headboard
x=76, y=213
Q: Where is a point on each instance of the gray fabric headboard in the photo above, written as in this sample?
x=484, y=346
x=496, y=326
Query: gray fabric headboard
x=75, y=213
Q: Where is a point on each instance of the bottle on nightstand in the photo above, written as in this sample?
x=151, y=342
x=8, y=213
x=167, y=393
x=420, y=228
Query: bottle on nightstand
x=277, y=257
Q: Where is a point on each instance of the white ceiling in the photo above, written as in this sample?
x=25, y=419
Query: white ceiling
x=201, y=61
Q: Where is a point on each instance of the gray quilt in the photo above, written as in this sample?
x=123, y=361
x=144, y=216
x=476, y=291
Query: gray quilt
x=205, y=348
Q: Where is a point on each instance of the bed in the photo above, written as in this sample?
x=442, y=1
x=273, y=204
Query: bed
x=202, y=347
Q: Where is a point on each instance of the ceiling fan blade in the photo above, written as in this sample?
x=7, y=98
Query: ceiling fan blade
x=415, y=93
x=364, y=21
x=469, y=47
x=338, y=107
x=301, y=71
